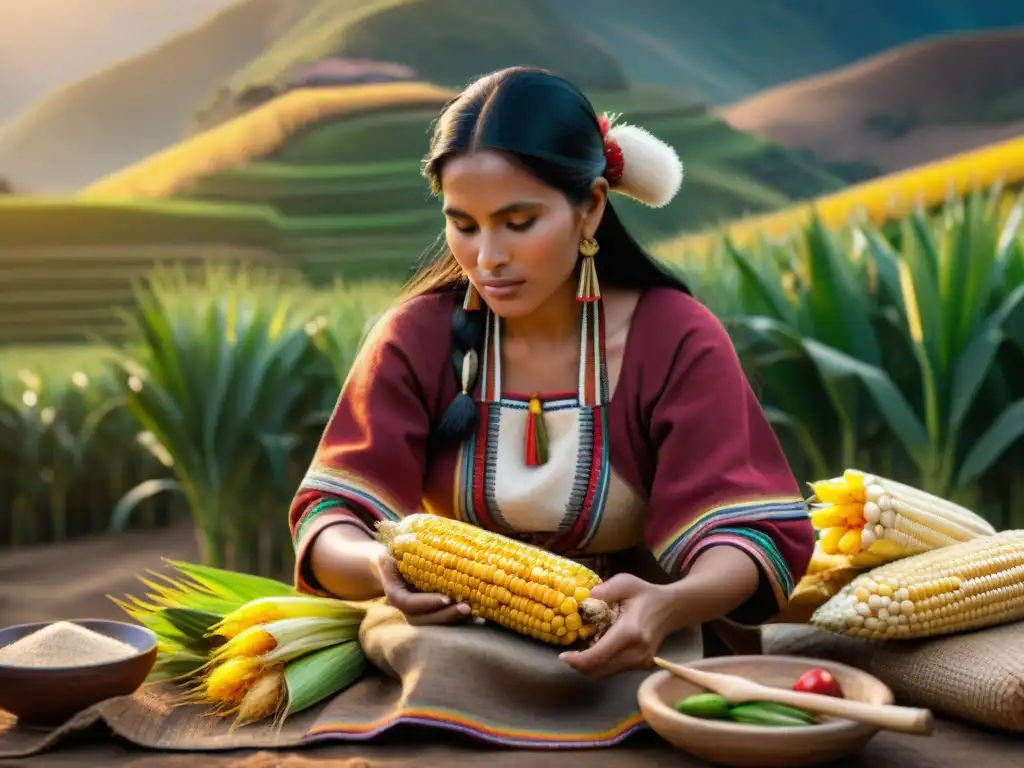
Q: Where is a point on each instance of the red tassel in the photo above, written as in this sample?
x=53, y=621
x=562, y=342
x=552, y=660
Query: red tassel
x=536, y=434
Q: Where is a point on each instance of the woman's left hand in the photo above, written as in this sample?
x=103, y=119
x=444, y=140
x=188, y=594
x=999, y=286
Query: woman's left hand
x=637, y=634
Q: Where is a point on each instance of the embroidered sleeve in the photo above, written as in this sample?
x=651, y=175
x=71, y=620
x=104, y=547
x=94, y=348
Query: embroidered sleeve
x=370, y=462
x=721, y=477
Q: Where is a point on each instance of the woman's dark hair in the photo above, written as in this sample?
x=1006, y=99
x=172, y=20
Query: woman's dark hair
x=552, y=131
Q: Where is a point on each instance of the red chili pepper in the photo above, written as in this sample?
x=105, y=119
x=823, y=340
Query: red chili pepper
x=819, y=681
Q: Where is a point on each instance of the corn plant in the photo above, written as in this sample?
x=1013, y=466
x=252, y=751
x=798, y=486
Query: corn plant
x=954, y=310
x=231, y=379
x=67, y=448
x=879, y=356
x=807, y=326
x=218, y=378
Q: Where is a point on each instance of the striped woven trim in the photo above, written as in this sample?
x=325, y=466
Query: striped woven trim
x=759, y=546
x=673, y=552
x=361, y=494
x=324, y=505
x=472, y=726
x=593, y=372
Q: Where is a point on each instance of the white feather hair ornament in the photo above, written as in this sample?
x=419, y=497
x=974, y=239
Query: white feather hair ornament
x=639, y=164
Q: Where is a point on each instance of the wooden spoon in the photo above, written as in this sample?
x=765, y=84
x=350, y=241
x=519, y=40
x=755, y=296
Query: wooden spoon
x=737, y=690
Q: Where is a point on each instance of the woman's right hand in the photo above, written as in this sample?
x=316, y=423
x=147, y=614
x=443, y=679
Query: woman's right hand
x=420, y=608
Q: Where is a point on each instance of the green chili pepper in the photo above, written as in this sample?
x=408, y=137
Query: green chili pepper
x=765, y=713
x=707, y=705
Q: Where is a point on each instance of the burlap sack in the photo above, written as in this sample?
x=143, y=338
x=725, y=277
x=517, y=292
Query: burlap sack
x=482, y=681
x=978, y=676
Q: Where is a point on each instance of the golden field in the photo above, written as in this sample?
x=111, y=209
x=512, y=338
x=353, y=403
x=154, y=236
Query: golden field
x=880, y=200
x=255, y=134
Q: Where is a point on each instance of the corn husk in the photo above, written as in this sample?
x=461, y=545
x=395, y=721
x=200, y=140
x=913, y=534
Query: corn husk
x=322, y=674
x=287, y=639
x=199, y=609
x=267, y=610
x=254, y=689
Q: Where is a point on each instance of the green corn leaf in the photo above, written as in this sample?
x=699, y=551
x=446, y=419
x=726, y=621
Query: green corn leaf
x=839, y=311
x=887, y=263
x=176, y=667
x=191, y=623
x=807, y=440
x=322, y=674
x=768, y=289
x=1004, y=432
x=231, y=585
x=839, y=370
x=903, y=422
x=129, y=503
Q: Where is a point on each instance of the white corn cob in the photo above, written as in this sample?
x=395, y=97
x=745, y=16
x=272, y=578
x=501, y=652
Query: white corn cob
x=868, y=513
x=970, y=585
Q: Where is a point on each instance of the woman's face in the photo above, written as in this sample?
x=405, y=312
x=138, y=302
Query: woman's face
x=515, y=237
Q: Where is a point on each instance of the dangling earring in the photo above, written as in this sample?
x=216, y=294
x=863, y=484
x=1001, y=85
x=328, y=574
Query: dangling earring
x=471, y=303
x=589, y=289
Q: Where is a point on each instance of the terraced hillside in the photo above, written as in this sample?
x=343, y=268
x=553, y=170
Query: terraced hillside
x=325, y=182
x=340, y=154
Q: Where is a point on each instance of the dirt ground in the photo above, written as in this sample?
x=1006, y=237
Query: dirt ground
x=72, y=581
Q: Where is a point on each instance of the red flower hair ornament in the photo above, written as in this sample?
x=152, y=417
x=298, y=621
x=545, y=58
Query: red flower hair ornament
x=638, y=164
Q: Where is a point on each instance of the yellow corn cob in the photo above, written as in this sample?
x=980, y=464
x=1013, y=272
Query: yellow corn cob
x=288, y=638
x=970, y=585
x=265, y=610
x=227, y=683
x=516, y=585
x=867, y=513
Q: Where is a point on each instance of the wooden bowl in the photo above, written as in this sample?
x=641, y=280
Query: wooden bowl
x=727, y=743
x=49, y=696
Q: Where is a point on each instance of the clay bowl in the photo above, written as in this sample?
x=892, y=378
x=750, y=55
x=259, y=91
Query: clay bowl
x=728, y=743
x=49, y=696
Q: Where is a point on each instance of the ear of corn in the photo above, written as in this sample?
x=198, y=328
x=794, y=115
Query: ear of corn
x=226, y=684
x=824, y=577
x=283, y=681
x=516, y=585
x=266, y=610
x=284, y=640
x=867, y=513
x=971, y=585
x=254, y=691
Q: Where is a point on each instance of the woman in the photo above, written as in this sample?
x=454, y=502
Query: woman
x=546, y=379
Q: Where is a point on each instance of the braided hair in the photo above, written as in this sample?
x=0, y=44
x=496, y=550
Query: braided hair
x=552, y=130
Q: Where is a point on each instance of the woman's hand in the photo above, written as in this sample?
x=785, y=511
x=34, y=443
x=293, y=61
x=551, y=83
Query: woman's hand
x=637, y=634
x=420, y=608
x=720, y=580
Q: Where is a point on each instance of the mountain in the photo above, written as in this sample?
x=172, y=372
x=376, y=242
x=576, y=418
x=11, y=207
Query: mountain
x=909, y=106
x=726, y=50
x=138, y=107
x=718, y=52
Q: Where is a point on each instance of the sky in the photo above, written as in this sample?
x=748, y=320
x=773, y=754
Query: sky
x=43, y=42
